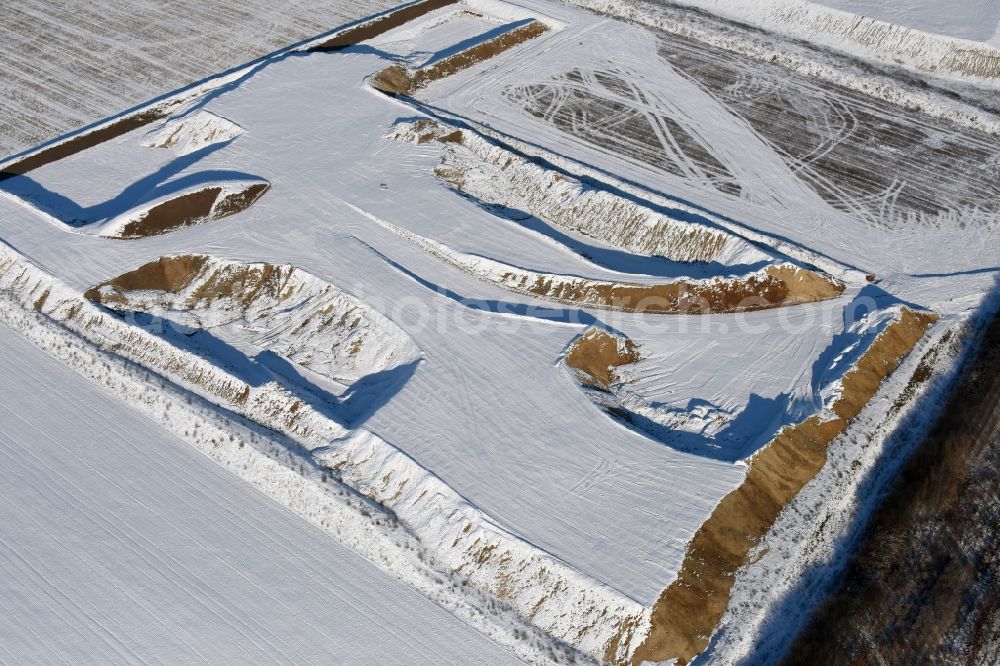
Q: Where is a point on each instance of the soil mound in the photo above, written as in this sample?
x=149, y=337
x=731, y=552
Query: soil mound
x=270, y=307
x=395, y=80
x=494, y=175
x=187, y=209
x=187, y=134
x=775, y=286
x=771, y=287
x=596, y=354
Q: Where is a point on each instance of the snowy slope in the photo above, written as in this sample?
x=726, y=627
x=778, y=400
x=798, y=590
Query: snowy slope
x=965, y=19
x=303, y=223
x=795, y=167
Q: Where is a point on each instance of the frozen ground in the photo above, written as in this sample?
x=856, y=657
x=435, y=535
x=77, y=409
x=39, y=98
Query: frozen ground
x=976, y=20
x=122, y=545
x=905, y=34
x=65, y=65
x=808, y=157
x=481, y=443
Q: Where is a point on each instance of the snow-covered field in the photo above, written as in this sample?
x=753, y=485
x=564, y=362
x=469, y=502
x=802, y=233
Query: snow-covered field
x=65, y=65
x=389, y=294
x=974, y=20
x=957, y=39
x=122, y=544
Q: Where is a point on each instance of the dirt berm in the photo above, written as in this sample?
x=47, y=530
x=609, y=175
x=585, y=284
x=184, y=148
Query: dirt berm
x=924, y=583
x=774, y=287
x=689, y=610
x=395, y=80
x=380, y=25
x=191, y=208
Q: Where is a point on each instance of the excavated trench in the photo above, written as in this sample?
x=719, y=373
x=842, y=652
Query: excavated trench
x=922, y=585
x=688, y=611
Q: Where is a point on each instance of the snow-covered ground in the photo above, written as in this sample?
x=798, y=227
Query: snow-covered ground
x=66, y=65
x=494, y=459
x=123, y=544
x=478, y=443
x=975, y=20
x=959, y=39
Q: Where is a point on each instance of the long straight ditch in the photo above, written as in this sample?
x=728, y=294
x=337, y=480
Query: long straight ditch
x=689, y=610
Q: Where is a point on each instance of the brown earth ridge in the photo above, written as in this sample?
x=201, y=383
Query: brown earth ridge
x=395, y=80
x=773, y=287
x=689, y=610
x=923, y=586
x=172, y=275
x=192, y=208
x=149, y=114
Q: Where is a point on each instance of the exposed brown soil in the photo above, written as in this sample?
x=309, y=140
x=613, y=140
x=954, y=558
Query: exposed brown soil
x=451, y=137
x=243, y=284
x=923, y=584
x=427, y=130
x=776, y=286
x=83, y=142
x=237, y=202
x=383, y=24
x=190, y=209
x=40, y=301
x=397, y=81
x=182, y=211
x=689, y=610
x=169, y=274
x=394, y=80
x=804, y=286
x=597, y=353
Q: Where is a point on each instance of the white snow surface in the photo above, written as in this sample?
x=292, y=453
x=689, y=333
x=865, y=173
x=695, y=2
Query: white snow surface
x=122, y=545
x=954, y=39
x=65, y=66
x=489, y=429
x=512, y=459
x=975, y=20
x=186, y=134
